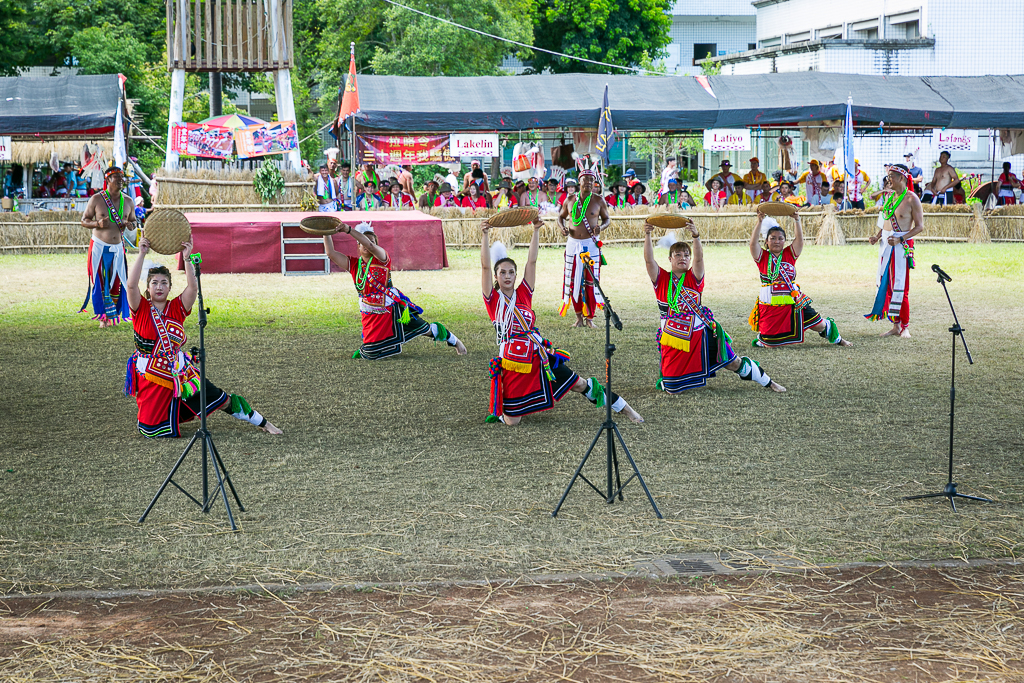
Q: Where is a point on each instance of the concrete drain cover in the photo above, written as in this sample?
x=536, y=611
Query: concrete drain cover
x=698, y=564
x=690, y=566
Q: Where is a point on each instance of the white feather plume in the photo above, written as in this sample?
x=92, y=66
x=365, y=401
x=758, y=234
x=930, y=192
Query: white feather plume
x=668, y=240
x=767, y=224
x=498, y=252
x=364, y=227
x=332, y=152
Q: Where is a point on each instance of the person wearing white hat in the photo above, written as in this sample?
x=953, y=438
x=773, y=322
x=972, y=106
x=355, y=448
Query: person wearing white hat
x=389, y=318
x=782, y=311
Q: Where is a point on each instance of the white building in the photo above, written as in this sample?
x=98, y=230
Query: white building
x=700, y=28
x=890, y=38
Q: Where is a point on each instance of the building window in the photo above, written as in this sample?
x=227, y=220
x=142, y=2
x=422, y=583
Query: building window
x=751, y=46
x=913, y=29
x=703, y=51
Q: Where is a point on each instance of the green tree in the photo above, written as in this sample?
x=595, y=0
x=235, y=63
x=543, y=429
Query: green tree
x=611, y=31
x=16, y=43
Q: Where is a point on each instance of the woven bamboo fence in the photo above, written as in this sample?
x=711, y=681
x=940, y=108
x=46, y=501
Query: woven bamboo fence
x=61, y=231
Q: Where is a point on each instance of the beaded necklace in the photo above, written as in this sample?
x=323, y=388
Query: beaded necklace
x=774, y=266
x=362, y=274
x=534, y=199
x=674, y=196
x=577, y=214
x=674, y=287
x=889, y=207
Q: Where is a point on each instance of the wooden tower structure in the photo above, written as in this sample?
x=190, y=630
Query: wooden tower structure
x=230, y=36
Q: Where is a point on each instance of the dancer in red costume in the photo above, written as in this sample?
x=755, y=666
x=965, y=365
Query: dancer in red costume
x=529, y=375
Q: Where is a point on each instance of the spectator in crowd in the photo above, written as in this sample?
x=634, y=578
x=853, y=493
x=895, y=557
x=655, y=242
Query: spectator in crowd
x=447, y=199
x=398, y=199
x=427, y=199
x=753, y=181
x=503, y=199
x=813, y=180
x=473, y=198
x=619, y=195
x=630, y=177
x=670, y=171
x=916, y=174
x=369, y=200
x=637, y=194
x=1007, y=184
x=673, y=197
x=475, y=175
x=786, y=194
x=715, y=197
x=405, y=179
x=534, y=195
x=728, y=178
x=569, y=194
x=740, y=196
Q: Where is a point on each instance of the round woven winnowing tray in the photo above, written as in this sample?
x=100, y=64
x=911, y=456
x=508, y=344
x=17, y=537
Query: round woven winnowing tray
x=511, y=218
x=777, y=209
x=668, y=221
x=320, y=225
x=166, y=229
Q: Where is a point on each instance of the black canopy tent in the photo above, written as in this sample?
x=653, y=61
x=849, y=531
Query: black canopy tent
x=509, y=103
x=659, y=103
x=786, y=98
x=982, y=101
x=59, y=106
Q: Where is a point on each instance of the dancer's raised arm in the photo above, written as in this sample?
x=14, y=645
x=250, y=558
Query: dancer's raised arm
x=755, y=238
x=131, y=288
x=486, y=279
x=652, y=266
x=798, y=240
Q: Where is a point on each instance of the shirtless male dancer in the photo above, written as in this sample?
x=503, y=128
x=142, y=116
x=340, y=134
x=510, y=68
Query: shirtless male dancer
x=943, y=182
x=109, y=214
x=904, y=219
x=582, y=218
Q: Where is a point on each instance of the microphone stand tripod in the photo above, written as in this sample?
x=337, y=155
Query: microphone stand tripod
x=949, y=491
x=609, y=427
x=202, y=435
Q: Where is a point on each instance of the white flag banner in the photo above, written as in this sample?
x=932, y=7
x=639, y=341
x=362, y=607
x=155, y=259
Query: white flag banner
x=5, y=148
x=727, y=139
x=474, y=145
x=952, y=139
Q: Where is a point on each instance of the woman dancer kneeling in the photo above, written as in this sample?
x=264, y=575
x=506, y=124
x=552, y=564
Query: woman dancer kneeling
x=164, y=381
x=693, y=345
x=528, y=375
x=782, y=311
x=389, y=318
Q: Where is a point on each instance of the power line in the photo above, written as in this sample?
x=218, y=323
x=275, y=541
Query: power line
x=515, y=42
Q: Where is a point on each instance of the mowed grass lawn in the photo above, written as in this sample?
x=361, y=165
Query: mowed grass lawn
x=387, y=470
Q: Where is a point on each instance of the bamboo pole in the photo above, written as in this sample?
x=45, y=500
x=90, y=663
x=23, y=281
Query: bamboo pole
x=201, y=181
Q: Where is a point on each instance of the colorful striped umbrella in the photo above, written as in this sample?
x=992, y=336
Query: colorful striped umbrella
x=232, y=121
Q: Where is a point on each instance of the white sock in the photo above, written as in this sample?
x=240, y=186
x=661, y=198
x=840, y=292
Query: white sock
x=619, y=404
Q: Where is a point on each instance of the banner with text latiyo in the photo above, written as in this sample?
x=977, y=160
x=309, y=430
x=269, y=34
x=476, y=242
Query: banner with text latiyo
x=403, y=149
x=727, y=139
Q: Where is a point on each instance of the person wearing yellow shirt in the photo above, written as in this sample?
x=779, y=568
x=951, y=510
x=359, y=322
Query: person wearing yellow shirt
x=740, y=197
x=814, y=181
x=727, y=177
x=754, y=180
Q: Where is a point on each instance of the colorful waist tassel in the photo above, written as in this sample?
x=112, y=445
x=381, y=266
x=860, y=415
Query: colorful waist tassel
x=754, y=316
x=496, y=408
x=130, y=383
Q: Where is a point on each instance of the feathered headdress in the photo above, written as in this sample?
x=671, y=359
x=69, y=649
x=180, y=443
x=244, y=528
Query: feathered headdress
x=498, y=251
x=586, y=165
x=766, y=225
x=364, y=227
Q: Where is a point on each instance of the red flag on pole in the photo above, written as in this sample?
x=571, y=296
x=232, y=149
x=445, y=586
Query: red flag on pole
x=350, y=101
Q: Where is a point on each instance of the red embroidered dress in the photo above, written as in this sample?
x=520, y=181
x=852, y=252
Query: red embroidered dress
x=162, y=379
x=389, y=320
x=521, y=380
x=690, y=350
x=782, y=313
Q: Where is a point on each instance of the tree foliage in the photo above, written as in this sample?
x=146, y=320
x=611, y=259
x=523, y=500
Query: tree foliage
x=611, y=31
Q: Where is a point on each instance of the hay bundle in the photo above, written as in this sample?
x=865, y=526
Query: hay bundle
x=42, y=228
x=830, y=234
x=201, y=189
x=979, y=231
x=40, y=152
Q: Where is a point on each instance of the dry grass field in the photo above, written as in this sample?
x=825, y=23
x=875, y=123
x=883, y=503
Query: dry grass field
x=387, y=471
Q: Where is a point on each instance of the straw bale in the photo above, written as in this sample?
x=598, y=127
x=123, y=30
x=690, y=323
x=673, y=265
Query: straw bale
x=42, y=228
x=830, y=233
x=979, y=231
x=216, y=196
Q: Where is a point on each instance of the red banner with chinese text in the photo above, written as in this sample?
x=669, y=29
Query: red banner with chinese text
x=404, y=149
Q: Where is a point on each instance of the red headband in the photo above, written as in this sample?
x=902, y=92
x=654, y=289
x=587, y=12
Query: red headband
x=905, y=174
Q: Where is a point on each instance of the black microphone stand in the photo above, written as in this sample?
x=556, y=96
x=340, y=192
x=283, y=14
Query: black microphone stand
x=949, y=491
x=210, y=454
x=609, y=426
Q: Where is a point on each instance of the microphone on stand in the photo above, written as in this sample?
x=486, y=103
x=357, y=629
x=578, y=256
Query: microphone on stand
x=941, y=273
